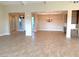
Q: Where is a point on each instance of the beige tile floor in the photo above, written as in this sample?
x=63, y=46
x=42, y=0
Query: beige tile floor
x=41, y=44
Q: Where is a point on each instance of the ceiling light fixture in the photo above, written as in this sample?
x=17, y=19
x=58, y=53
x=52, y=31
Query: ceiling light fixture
x=44, y=2
x=76, y=2
x=22, y=3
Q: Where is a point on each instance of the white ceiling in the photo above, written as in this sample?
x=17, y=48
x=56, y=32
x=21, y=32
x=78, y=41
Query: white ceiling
x=32, y=2
x=20, y=2
x=29, y=2
x=51, y=12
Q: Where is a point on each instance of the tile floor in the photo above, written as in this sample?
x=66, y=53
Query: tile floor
x=41, y=44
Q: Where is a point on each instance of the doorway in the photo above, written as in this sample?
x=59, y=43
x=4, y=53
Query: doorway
x=49, y=21
x=20, y=23
x=45, y=23
x=33, y=23
x=74, y=23
x=16, y=21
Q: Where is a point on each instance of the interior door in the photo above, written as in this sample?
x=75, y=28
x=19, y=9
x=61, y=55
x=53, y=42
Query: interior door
x=12, y=23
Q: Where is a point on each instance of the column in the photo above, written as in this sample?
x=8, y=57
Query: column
x=69, y=19
x=28, y=26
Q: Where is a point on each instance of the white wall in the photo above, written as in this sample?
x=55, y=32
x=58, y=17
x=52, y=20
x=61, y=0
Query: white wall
x=4, y=27
x=57, y=23
x=3, y=22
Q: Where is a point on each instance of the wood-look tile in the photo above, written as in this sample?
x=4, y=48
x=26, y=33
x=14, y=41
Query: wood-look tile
x=41, y=44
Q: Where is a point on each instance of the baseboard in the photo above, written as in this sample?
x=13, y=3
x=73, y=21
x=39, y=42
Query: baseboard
x=50, y=30
x=3, y=34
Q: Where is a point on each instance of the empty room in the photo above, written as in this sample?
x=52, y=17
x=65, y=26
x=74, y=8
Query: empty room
x=39, y=28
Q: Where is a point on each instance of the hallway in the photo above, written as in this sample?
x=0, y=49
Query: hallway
x=42, y=44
